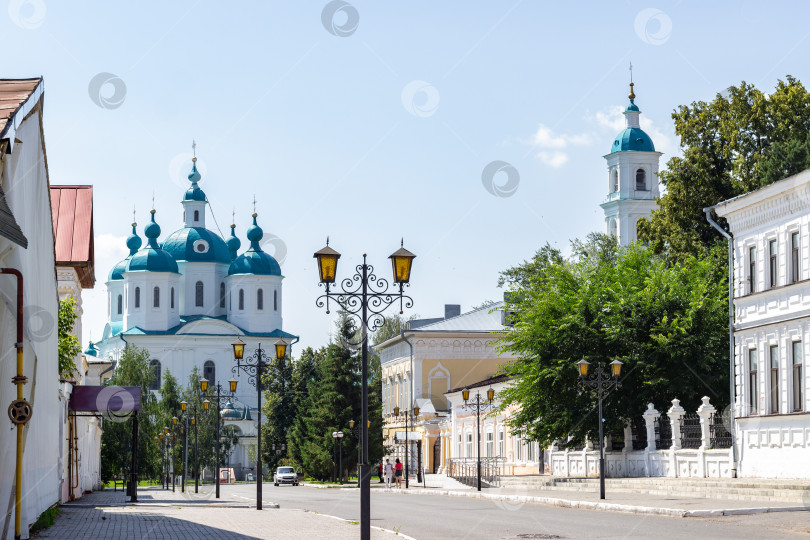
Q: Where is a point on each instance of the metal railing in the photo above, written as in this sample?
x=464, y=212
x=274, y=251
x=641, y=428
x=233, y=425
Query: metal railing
x=663, y=432
x=718, y=432
x=465, y=470
x=690, y=431
x=639, y=430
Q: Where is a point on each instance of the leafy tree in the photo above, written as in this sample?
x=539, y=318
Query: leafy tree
x=665, y=320
x=306, y=375
x=279, y=408
x=742, y=140
x=69, y=346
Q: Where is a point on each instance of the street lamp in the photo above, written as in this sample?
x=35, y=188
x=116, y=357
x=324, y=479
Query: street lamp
x=254, y=367
x=478, y=405
x=220, y=397
x=339, y=436
x=365, y=296
x=601, y=380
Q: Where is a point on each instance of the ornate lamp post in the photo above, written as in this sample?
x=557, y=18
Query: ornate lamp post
x=365, y=296
x=407, y=415
x=254, y=367
x=193, y=420
x=478, y=405
x=601, y=380
x=220, y=397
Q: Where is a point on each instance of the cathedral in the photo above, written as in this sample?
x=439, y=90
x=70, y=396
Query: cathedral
x=632, y=177
x=186, y=299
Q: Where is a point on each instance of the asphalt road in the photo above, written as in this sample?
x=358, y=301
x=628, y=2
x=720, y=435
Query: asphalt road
x=429, y=517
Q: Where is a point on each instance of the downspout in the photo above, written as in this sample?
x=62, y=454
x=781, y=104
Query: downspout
x=732, y=423
x=19, y=380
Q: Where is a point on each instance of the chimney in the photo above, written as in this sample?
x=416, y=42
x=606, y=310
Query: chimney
x=452, y=310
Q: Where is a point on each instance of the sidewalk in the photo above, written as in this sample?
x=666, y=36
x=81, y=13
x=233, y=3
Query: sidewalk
x=163, y=514
x=617, y=502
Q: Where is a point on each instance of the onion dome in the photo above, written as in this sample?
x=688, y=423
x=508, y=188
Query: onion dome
x=194, y=193
x=197, y=244
x=91, y=350
x=254, y=260
x=632, y=137
x=152, y=258
x=134, y=244
x=229, y=412
x=233, y=242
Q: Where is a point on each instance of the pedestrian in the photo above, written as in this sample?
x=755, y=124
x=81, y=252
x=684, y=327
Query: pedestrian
x=380, y=471
x=389, y=472
x=398, y=469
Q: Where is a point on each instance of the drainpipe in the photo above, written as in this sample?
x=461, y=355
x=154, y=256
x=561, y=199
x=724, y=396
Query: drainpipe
x=410, y=408
x=732, y=423
x=19, y=380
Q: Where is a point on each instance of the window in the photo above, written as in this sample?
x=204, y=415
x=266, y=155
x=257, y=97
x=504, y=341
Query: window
x=469, y=445
x=752, y=269
x=458, y=449
x=171, y=298
x=615, y=181
x=798, y=395
x=210, y=371
x=120, y=304
x=530, y=452
x=156, y=297
x=154, y=365
x=275, y=300
x=612, y=229
x=641, y=180
x=772, y=268
x=774, y=379
x=198, y=294
x=490, y=444
x=794, y=257
x=241, y=299
x=753, y=388
x=196, y=215
x=137, y=297
x=500, y=443
x=222, y=295
x=518, y=448
x=260, y=299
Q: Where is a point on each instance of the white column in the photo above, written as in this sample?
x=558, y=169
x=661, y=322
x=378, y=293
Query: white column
x=705, y=412
x=650, y=416
x=675, y=414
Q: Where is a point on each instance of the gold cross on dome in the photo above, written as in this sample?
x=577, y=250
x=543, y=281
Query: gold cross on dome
x=194, y=147
x=254, y=203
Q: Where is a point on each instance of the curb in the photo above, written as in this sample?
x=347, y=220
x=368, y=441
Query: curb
x=609, y=507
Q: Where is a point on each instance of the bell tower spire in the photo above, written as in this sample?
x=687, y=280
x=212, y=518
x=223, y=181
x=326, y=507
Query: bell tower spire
x=194, y=200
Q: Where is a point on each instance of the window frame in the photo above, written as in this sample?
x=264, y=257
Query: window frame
x=120, y=304
x=643, y=179
x=156, y=381
x=795, y=256
x=797, y=382
x=260, y=299
x=222, y=294
x=753, y=381
x=241, y=299
x=773, y=262
x=773, y=356
x=210, y=364
x=171, y=298
x=156, y=297
x=752, y=269
x=199, y=294
x=137, y=297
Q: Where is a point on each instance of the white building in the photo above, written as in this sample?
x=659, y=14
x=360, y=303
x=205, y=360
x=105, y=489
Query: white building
x=632, y=177
x=771, y=230
x=185, y=300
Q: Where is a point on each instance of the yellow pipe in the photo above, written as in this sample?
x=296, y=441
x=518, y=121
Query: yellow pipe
x=18, y=494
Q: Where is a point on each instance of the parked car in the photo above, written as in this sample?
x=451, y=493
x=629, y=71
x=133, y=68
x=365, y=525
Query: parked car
x=285, y=475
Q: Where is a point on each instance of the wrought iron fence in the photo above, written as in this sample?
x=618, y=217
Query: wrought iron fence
x=465, y=470
x=663, y=432
x=690, y=431
x=639, y=429
x=719, y=434
x=617, y=442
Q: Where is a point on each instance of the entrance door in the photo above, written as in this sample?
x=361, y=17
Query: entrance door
x=437, y=455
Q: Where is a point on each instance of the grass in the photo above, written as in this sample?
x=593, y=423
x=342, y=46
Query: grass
x=46, y=519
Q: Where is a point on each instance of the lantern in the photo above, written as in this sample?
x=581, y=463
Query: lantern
x=615, y=368
x=183, y=406
x=416, y=411
x=401, y=260
x=396, y=411
x=490, y=394
x=281, y=349
x=204, y=385
x=582, y=367
x=206, y=404
x=232, y=384
x=327, y=263
x=465, y=394
x=238, y=349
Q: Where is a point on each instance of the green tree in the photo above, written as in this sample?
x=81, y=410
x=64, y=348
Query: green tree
x=742, y=140
x=69, y=346
x=306, y=375
x=665, y=320
x=279, y=409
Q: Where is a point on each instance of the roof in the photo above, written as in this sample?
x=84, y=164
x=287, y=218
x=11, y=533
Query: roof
x=150, y=259
x=257, y=263
x=485, y=319
x=72, y=214
x=728, y=206
x=186, y=319
x=14, y=93
x=632, y=138
x=197, y=244
x=486, y=382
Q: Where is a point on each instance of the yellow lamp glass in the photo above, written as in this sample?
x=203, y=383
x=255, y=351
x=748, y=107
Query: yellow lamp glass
x=368, y=424
x=465, y=394
x=490, y=394
x=156, y=438
x=193, y=420
x=583, y=366
x=616, y=368
x=206, y=404
x=327, y=263
x=238, y=349
x=281, y=349
x=416, y=411
x=174, y=420
x=232, y=384
x=166, y=430
x=204, y=385
x=402, y=260
x=396, y=411
x=183, y=406
x=351, y=424
x=161, y=436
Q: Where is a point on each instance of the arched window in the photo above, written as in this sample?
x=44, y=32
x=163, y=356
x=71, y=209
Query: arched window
x=196, y=215
x=260, y=299
x=222, y=295
x=120, y=304
x=198, y=294
x=275, y=300
x=156, y=297
x=241, y=299
x=615, y=181
x=612, y=227
x=469, y=450
x=641, y=180
x=171, y=299
x=210, y=372
x=137, y=297
x=154, y=365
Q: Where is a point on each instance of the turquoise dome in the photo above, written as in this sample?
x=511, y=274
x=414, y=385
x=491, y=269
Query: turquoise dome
x=632, y=139
x=632, y=106
x=197, y=244
x=152, y=258
x=91, y=350
x=134, y=244
x=194, y=193
x=230, y=412
x=255, y=261
x=233, y=242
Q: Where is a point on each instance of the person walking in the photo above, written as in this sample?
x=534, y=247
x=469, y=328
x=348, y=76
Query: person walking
x=398, y=470
x=380, y=471
x=388, y=470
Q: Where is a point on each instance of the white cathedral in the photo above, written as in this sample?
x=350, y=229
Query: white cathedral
x=632, y=177
x=186, y=300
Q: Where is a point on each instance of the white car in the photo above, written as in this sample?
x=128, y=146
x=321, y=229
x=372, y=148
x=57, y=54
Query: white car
x=285, y=475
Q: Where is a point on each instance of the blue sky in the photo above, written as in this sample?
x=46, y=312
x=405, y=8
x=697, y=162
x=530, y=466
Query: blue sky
x=381, y=133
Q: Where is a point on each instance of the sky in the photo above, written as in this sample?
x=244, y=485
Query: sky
x=474, y=130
